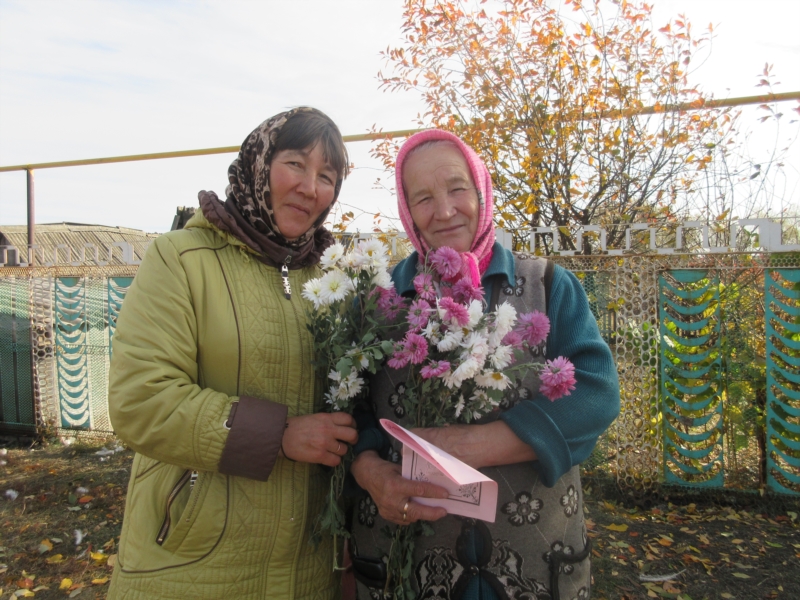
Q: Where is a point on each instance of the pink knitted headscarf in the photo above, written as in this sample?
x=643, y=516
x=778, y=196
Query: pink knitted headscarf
x=477, y=260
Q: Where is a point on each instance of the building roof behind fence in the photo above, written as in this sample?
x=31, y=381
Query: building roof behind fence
x=49, y=236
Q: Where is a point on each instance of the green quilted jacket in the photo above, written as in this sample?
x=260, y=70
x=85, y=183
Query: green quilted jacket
x=205, y=328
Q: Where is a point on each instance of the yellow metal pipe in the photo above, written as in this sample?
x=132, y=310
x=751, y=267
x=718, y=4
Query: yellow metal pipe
x=184, y=153
x=610, y=114
x=118, y=159
x=688, y=106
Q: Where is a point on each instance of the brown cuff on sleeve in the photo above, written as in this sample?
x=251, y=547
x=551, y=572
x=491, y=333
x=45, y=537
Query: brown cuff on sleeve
x=256, y=430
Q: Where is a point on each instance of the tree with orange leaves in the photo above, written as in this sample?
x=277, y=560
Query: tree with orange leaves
x=547, y=97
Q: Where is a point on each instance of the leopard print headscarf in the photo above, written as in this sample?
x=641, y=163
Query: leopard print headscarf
x=248, y=187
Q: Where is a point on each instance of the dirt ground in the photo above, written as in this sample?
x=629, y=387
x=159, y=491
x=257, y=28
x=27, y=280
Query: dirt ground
x=60, y=529
x=748, y=549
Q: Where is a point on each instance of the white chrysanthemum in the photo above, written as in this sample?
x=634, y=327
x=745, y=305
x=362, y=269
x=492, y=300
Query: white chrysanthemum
x=493, y=379
x=460, y=405
x=504, y=318
x=335, y=286
x=312, y=291
x=480, y=403
x=373, y=253
x=502, y=357
x=450, y=340
x=359, y=358
x=431, y=331
x=467, y=369
x=476, y=346
x=347, y=388
x=480, y=398
x=331, y=397
x=475, y=311
x=332, y=255
x=354, y=383
x=383, y=279
x=451, y=380
x=352, y=260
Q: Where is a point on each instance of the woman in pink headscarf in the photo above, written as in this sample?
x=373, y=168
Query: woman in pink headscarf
x=529, y=445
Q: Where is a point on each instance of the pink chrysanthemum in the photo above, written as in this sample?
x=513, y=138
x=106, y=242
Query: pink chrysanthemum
x=454, y=311
x=385, y=296
x=419, y=313
x=390, y=303
x=446, y=261
x=434, y=369
x=533, y=327
x=558, y=378
x=416, y=347
x=464, y=291
x=445, y=291
x=513, y=339
x=423, y=283
x=400, y=357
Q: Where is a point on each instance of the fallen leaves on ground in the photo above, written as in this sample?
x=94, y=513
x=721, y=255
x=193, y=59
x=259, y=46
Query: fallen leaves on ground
x=60, y=531
x=692, y=551
x=684, y=551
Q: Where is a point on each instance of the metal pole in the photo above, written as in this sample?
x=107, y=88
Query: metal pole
x=31, y=219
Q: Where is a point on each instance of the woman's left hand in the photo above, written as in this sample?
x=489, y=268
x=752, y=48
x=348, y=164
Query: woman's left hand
x=479, y=446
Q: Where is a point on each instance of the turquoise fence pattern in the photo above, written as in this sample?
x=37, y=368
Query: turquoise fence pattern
x=71, y=360
x=16, y=380
x=117, y=288
x=86, y=311
x=782, y=287
x=691, y=378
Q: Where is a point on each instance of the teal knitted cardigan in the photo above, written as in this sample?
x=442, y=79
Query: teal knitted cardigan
x=562, y=433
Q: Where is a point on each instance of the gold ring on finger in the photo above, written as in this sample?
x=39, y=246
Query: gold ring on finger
x=405, y=511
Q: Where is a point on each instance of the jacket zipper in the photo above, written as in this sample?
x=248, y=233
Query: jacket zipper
x=162, y=533
x=287, y=289
x=297, y=320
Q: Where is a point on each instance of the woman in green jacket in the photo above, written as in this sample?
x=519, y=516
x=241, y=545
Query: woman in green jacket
x=212, y=384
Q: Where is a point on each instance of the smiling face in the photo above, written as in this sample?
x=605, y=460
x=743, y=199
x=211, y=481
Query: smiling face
x=302, y=185
x=441, y=196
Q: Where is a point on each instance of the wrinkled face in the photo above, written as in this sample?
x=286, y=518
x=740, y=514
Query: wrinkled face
x=442, y=197
x=302, y=185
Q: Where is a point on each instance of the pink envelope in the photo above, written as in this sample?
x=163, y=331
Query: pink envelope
x=472, y=494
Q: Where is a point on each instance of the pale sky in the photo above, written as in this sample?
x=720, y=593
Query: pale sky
x=85, y=79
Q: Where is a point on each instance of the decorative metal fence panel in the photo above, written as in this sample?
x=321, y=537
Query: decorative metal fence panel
x=56, y=327
x=691, y=378
x=783, y=378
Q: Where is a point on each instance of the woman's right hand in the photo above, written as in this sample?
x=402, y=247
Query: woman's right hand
x=320, y=438
x=392, y=493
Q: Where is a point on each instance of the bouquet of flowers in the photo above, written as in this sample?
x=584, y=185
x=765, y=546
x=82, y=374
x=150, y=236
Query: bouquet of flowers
x=347, y=341
x=460, y=363
x=461, y=357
